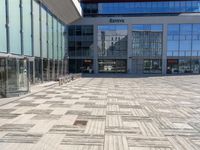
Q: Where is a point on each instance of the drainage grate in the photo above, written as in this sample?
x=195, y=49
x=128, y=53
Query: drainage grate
x=80, y=123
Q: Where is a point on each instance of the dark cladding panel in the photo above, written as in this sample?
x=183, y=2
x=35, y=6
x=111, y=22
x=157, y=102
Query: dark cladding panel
x=108, y=1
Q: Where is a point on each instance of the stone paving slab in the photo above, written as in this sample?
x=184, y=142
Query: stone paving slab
x=106, y=113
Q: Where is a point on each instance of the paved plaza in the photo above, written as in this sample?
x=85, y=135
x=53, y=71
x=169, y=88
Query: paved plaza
x=106, y=113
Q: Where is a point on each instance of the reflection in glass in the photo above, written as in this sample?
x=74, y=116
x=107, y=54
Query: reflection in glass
x=112, y=66
x=115, y=8
x=80, y=41
x=172, y=66
x=147, y=40
x=185, y=66
x=153, y=66
x=195, y=66
x=112, y=40
x=183, y=40
x=17, y=76
x=81, y=65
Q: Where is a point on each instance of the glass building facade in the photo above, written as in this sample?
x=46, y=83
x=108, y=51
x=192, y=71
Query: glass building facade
x=32, y=45
x=119, y=8
x=81, y=46
x=183, y=48
x=140, y=36
x=147, y=45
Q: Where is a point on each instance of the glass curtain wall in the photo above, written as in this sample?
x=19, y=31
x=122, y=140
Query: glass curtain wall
x=183, y=46
x=80, y=41
x=147, y=48
x=31, y=31
x=112, y=41
x=112, y=48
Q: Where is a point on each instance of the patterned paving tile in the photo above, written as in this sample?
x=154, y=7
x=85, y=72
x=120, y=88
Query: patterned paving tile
x=20, y=138
x=114, y=113
x=15, y=127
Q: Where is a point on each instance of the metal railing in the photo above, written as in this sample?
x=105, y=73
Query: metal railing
x=68, y=78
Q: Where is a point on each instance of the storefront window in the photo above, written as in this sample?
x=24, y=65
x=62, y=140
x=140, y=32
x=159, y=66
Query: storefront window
x=172, y=66
x=81, y=65
x=112, y=66
x=153, y=66
x=195, y=66
x=185, y=66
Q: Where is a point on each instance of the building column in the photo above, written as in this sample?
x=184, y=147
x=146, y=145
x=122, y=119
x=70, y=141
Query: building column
x=164, y=54
x=95, y=50
x=129, y=50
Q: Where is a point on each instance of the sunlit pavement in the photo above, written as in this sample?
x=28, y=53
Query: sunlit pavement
x=106, y=113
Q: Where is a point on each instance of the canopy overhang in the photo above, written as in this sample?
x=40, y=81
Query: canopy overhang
x=66, y=10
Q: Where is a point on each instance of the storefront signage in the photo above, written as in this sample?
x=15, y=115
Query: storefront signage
x=116, y=20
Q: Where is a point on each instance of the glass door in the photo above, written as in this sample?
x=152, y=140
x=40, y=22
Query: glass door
x=31, y=72
x=2, y=77
x=12, y=75
x=23, y=75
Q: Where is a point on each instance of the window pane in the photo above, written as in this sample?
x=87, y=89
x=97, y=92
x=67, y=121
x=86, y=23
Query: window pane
x=55, y=38
x=44, y=34
x=112, y=40
x=3, y=45
x=36, y=29
x=14, y=24
x=50, y=35
x=59, y=41
x=27, y=27
x=63, y=41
